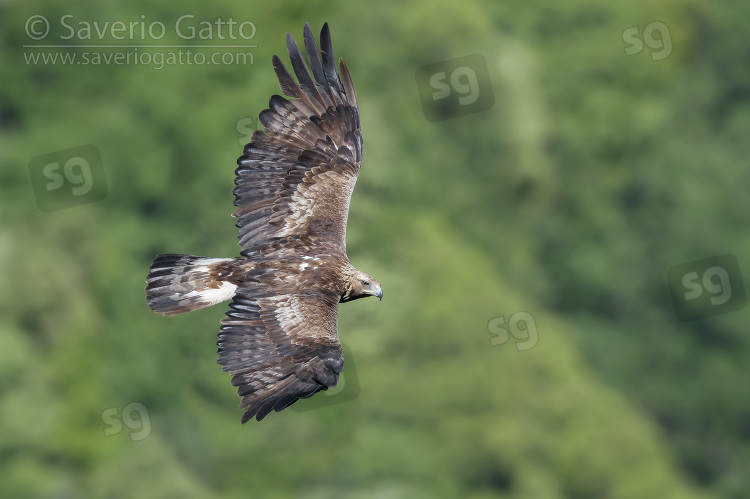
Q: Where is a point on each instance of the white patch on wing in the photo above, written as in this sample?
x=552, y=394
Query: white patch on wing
x=301, y=209
x=303, y=266
x=303, y=319
x=285, y=314
x=317, y=195
x=215, y=295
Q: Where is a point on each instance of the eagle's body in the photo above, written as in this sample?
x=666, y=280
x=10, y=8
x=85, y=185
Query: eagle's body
x=280, y=337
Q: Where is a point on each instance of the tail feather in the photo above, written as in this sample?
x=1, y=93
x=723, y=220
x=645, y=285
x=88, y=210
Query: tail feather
x=182, y=283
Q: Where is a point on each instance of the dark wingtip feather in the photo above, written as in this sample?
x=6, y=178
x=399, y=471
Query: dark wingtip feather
x=313, y=56
x=346, y=80
x=287, y=84
x=325, y=34
x=329, y=64
x=247, y=416
x=300, y=67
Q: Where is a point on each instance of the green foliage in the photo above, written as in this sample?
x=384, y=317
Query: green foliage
x=592, y=175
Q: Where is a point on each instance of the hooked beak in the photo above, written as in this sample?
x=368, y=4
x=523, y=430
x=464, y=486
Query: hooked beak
x=379, y=293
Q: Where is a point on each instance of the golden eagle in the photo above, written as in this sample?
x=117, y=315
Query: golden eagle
x=279, y=339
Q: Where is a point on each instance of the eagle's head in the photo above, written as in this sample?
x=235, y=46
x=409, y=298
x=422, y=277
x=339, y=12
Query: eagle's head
x=361, y=285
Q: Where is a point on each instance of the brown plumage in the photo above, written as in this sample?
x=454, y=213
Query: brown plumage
x=279, y=339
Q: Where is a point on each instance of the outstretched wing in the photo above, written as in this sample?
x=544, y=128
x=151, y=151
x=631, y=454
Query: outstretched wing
x=295, y=178
x=280, y=347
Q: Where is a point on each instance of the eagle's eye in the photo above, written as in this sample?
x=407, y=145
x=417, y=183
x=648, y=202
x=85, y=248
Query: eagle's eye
x=365, y=283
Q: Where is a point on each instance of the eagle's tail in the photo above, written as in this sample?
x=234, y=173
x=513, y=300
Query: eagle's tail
x=182, y=283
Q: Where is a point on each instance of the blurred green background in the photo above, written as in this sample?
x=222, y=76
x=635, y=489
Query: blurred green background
x=593, y=174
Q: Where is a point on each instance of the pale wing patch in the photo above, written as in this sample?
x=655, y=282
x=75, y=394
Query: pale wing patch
x=293, y=314
x=213, y=296
x=329, y=195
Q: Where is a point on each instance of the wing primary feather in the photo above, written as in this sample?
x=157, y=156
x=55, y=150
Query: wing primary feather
x=346, y=80
x=288, y=86
x=329, y=65
x=316, y=65
x=303, y=75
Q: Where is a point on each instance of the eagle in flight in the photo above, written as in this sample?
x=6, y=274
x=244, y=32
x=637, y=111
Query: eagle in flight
x=279, y=339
